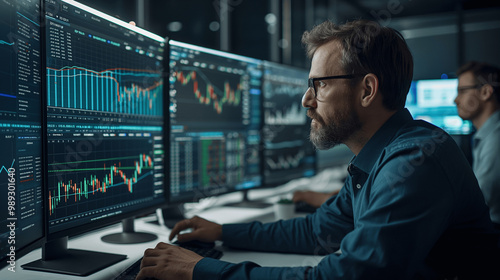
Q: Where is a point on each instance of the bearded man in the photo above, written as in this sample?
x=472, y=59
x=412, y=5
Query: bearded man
x=411, y=207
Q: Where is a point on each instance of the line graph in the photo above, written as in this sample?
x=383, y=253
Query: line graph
x=7, y=153
x=284, y=144
x=282, y=105
x=35, y=23
x=7, y=168
x=8, y=103
x=2, y=42
x=294, y=114
x=115, y=90
x=8, y=95
x=282, y=87
x=286, y=161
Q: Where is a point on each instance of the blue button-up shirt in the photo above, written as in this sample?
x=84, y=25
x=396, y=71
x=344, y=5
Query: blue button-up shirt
x=486, y=163
x=410, y=208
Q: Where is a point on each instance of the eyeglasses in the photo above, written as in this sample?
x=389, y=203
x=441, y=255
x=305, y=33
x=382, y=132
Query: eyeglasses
x=461, y=90
x=311, y=82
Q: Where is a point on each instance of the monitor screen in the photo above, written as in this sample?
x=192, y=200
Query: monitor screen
x=337, y=156
x=433, y=101
x=21, y=217
x=215, y=107
x=288, y=153
x=105, y=122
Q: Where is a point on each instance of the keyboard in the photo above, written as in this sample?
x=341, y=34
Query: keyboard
x=203, y=250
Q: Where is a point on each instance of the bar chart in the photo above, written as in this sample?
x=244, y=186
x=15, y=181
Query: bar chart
x=114, y=90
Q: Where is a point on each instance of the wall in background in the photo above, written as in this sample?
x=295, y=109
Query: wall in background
x=441, y=35
x=440, y=43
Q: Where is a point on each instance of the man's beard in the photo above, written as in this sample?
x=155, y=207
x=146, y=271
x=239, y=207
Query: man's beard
x=337, y=131
x=470, y=109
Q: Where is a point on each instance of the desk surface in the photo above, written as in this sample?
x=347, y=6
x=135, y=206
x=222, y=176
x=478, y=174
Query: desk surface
x=219, y=214
x=92, y=241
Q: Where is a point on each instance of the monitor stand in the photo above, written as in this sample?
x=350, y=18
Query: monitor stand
x=57, y=258
x=247, y=203
x=128, y=235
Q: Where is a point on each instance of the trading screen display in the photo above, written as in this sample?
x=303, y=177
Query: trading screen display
x=215, y=122
x=288, y=154
x=21, y=217
x=104, y=116
x=433, y=101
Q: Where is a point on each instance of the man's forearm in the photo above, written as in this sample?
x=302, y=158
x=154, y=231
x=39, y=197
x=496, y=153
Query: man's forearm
x=209, y=268
x=290, y=236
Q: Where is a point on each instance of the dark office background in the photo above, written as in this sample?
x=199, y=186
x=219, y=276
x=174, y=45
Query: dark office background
x=442, y=34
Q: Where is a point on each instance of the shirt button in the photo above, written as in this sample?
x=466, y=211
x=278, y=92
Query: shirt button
x=358, y=186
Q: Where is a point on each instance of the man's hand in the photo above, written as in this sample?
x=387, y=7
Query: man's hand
x=314, y=199
x=168, y=262
x=203, y=230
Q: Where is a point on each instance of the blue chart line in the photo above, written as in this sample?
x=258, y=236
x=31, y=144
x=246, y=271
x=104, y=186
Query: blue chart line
x=117, y=90
x=7, y=95
x=2, y=42
x=7, y=169
x=28, y=19
x=284, y=145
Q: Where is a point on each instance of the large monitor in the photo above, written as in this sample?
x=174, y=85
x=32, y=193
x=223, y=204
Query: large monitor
x=105, y=131
x=433, y=101
x=215, y=113
x=21, y=180
x=288, y=154
x=339, y=155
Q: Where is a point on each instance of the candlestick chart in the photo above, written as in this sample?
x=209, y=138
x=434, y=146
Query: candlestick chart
x=202, y=94
x=88, y=184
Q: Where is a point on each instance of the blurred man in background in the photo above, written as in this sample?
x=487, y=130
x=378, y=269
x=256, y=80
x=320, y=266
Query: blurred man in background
x=478, y=100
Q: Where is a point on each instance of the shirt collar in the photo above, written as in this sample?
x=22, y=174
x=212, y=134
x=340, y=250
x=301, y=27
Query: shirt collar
x=373, y=148
x=488, y=126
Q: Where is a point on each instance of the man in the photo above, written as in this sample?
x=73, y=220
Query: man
x=410, y=208
x=312, y=198
x=478, y=100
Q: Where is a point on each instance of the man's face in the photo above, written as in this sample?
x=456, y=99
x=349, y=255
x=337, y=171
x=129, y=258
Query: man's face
x=469, y=106
x=333, y=114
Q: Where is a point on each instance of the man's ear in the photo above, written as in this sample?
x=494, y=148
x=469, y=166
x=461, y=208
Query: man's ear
x=486, y=92
x=370, y=89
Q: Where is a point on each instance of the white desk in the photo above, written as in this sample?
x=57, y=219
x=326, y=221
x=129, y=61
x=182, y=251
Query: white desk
x=92, y=240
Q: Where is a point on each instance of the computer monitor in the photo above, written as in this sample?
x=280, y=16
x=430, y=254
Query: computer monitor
x=215, y=114
x=105, y=131
x=288, y=153
x=21, y=217
x=433, y=101
x=339, y=155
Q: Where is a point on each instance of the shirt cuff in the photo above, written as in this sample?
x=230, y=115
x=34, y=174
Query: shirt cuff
x=208, y=268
